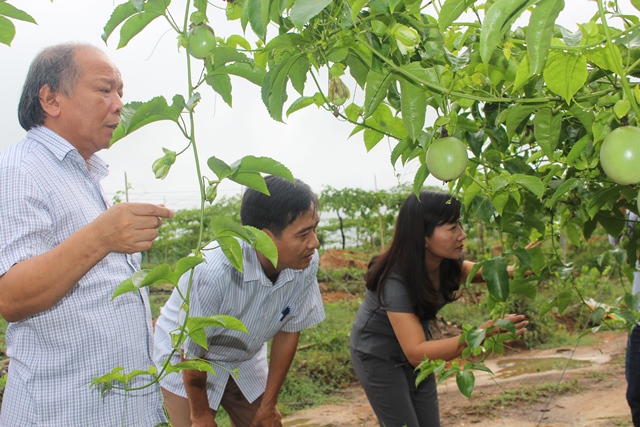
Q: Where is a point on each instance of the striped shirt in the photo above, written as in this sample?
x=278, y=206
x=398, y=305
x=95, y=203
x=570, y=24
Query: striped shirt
x=47, y=192
x=291, y=304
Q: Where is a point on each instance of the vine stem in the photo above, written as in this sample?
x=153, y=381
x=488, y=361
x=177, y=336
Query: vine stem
x=619, y=69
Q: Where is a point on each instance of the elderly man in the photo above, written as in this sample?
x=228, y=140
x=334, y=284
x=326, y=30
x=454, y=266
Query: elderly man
x=63, y=251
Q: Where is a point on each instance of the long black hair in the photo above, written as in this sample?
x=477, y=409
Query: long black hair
x=416, y=220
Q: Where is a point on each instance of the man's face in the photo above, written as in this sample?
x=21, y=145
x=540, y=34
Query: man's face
x=298, y=242
x=87, y=119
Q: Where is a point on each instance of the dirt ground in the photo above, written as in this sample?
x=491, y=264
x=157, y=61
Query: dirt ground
x=597, y=397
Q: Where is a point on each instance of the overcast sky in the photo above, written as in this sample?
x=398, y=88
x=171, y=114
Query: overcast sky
x=313, y=144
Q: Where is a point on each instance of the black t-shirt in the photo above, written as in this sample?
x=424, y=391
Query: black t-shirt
x=372, y=332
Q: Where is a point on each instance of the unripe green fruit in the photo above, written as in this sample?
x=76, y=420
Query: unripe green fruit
x=201, y=39
x=447, y=158
x=620, y=155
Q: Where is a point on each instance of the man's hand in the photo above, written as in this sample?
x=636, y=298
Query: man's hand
x=129, y=227
x=204, y=422
x=267, y=416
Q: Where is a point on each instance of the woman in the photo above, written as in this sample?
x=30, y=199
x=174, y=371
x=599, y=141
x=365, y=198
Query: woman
x=406, y=286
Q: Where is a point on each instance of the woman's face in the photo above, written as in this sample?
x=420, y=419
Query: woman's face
x=446, y=242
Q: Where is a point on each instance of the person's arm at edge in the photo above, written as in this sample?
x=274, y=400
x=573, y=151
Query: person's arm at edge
x=36, y=284
x=283, y=349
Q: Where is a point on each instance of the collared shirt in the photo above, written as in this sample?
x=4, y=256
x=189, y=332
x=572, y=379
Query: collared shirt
x=47, y=192
x=291, y=304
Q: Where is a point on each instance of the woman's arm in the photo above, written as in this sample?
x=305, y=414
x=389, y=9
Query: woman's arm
x=410, y=335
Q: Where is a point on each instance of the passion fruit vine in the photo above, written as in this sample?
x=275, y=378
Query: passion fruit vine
x=620, y=155
x=447, y=158
x=201, y=40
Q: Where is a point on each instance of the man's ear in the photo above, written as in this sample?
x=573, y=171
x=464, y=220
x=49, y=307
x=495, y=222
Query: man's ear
x=49, y=101
x=269, y=233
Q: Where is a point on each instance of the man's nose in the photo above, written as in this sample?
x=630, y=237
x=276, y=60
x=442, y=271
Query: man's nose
x=314, y=242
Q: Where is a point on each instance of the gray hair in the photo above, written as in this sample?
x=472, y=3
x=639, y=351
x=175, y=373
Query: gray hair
x=54, y=66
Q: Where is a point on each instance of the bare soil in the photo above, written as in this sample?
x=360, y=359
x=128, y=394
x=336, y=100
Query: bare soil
x=595, y=395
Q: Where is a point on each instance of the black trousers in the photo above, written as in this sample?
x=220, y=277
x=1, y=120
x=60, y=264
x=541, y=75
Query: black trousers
x=632, y=372
x=393, y=395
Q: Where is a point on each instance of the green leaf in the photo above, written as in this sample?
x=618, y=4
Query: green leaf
x=356, y=8
x=298, y=74
x=421, y=176
x=258, y=15
x=622, y=108
x=161, y=274
x=219, y=167
x=252, y=180
x=499, y=200
x=217, y=321
x=375, y=91
x=414, y=107
x=603, y=58
x=191, y=365
x=221, y=84
x=263, y=165
x=451, y=10
x=577, y=150
x=522, y=73
x=547, y=306
x=138, y=114
x=7, y=31
x=531, y=183
x=274, y=91
x=13, y=12
x=246, y=70
x=497, y=22
x=232, y=250
x=474, y=337
x=136, y=23
x=119, y=15
x=300, y=103
x=540, y=32
x=564, y=300
x=601, y=198
x=371, y=138
x=516, y=116
x=285, y=40
x=525, y=289
x=547, y=127
x=303, y=10
x=636, y=4
x=565, y=73
x=224, y=54
x=264, y=244
x=564, y=188
x=466, y=381
x=494, y=272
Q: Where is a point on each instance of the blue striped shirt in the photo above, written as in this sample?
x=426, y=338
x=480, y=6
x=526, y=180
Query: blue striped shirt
x=47, y=192
x=291, y=304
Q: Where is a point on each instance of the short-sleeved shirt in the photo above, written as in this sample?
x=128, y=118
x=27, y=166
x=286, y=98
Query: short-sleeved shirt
x=291, y=304
x=47, y=192
x=372, y=332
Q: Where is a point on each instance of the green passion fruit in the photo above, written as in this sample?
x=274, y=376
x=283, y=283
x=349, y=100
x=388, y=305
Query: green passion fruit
x=620, y=155
x=201, y=39
x=447, y=158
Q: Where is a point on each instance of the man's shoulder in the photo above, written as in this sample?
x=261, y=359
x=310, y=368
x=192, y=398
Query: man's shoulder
x=15, y=154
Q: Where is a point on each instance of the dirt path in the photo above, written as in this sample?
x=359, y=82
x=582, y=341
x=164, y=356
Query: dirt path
x=593, y=396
